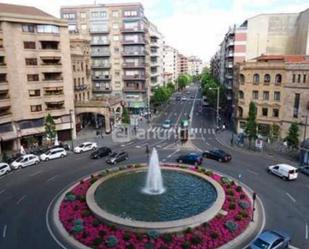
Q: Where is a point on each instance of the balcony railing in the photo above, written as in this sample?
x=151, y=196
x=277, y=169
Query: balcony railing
x=81, y=88
x=102, y=89
x=53, y=79
x=134, y=65
x=101, y=65
x=100, y=53
x=133, y=30
x=101, y=77
x=100, y=43
x=133, y=53
x=138, y=41
x=134, y=89
x=105, y=31
x=134, y=77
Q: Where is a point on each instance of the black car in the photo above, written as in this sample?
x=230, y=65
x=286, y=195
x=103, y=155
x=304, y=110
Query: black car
x=191, y=158
x=117, y=157
x=178, y=98
x=218, y=155
x=304, y=170
x=101, y=152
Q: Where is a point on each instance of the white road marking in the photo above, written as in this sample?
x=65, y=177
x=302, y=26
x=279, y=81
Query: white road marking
x=200, y=130
x=2, y=191
x=209, y=131
x=293, y=247
x=137, y=146
x=52, y=178
x=164, y=160
x=4, y=231
x=252, y=172
x=170, y=155
x=205, y=130
x=21, y=199
x=306, y=233
x=175, y=114
x=35, y=173
x=195, y=130
x=291, y=197
x=213, y=131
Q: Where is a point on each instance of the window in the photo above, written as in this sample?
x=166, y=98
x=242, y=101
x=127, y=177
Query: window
x=31, y=61
x=98, y=14
x=240, y=112
x=3, y=77
x=36, y=108
x=115, y=13
x=255, y=94
x=304, y=78
x=276, y=96
x=29, y=45
x=83, y=15
x=256, y=79
x=294, y=78
x=34, y=93
x=298, y=78
x=72, y=28
x=116, y=38
x=74, y=68
x=276, y=113
x=116, y=50
x=266, y=78
x=1, y=43
x=48, y=29
x=33, y=77
x=265, y=95
x=83, y=27
x=129, y=13
x=296, y=105
x=264, y=112
x=278, y=79
x=28, y=28
x=69, y=16
x=82, y=66
x=115, y=26
x=241, y=94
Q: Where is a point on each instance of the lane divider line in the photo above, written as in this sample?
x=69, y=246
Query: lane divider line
x=36, y=173
x=2, y=191
x=21, y=199
x=170, y=155
x=4, y=231
x=252, y=172
x=291, y=197
x=306, y=234
x=52, y=178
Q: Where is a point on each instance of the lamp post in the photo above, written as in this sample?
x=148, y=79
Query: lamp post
x=71, y=128
x=218, y=99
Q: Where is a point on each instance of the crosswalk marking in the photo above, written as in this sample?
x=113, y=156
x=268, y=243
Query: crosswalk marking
x=161, y=130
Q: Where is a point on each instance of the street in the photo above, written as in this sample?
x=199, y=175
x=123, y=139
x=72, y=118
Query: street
x=27, y=193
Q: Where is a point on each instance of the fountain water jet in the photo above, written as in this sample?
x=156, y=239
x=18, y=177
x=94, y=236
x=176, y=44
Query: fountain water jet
x=154, y=181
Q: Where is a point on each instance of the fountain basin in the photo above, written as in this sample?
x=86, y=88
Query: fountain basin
x=166, y=224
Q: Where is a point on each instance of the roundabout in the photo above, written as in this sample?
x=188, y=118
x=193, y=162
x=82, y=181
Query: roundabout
x=82, y=223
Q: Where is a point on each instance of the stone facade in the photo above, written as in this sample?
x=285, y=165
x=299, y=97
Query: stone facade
x=279, y=85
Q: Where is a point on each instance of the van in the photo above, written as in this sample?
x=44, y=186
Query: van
x=285, y=171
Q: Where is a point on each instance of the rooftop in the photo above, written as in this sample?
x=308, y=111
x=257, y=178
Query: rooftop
x=284, y=58
x=22, y=10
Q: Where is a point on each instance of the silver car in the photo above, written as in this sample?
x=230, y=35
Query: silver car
x=25, y=161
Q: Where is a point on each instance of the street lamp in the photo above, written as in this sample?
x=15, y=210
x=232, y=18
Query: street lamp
x=218, y=99
x=71, y=128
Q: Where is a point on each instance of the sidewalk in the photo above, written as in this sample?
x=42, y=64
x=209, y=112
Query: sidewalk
x=225, y=137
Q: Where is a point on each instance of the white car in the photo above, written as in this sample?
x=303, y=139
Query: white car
x=53, y=154
x=85, y=147
x=183, y=98
x=285, y=171
x=4, y=168
x=24, y=161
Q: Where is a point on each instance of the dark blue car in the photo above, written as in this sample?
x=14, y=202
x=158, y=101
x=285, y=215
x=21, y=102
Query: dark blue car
x=191, y=158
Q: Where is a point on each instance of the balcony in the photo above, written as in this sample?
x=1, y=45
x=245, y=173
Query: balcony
x=5, y=102
x=229, y=65
x=102, y=89
x=81, y=88
x=133, y=53
x=134, y=65
x=49, y=45
x=101, y=65
x=103, y=31
x=230, y=43
x=134, y=42
x=100, y=53
x=51, y=61
x=229, y=54
x=55, y=106
x=54, y=97
x=134, y=90
x=101, y=77
x=100, y=43
x=52, y=77
x=137, y=29
x=134, y=77
x=4, y=86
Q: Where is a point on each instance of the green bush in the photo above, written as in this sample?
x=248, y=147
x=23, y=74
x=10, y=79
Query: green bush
x=232, y=206
x=86, y=213
x=69, y=197
x=167, y=238
x=152, y=234
x=77, y=228
x=231, y=226
x=242, y=196
x=195, y=240
x=111, y=241
x=78, y=222
x=130, y=246
x=81, y=198
x=186, y=245
x=139, y=236
x=238, y=189
x=209, y=173
x=188, y=230
x=238, y=217
x=149, y=245
x=93, y=180
x=97, y=241
x=96, y=223
x=230, y=192
x=243, y=214
x=205, y=225
x=214, y=235
x=224, y=180
x=126, y=236
x=244, y=204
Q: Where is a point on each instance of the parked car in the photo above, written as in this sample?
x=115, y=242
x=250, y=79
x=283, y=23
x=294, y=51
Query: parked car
x=304, y=170
x=183, y=98
x=192, y=97
x=218, y=155
x=61, y=145
x=191, y=158
x=178, y=98
x=117, y=157
x=167, y=124
x=86, y=146
x=53, y=154
x=285, y=171
x=24, y=161
x=12, y=158
x=4, y=168
x=101, y=152
x=271, y=240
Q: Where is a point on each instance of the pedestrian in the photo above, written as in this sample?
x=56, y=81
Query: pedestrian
x=102, y=134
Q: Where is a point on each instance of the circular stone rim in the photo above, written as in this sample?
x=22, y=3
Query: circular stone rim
x=159, y=226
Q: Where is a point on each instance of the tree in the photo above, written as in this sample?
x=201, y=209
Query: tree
x=183, y=80
x=274, y=132
x=50, y=127
x=292, y=137
x=251, y=127
x=125, y=116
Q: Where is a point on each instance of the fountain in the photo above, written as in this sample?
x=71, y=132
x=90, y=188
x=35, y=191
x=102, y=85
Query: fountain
x=154, y=182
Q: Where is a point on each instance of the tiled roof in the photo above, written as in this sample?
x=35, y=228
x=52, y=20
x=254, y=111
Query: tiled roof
x=285, y=58
x=22, y=10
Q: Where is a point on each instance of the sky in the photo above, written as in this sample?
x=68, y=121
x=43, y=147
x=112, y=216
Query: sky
x=194, y=27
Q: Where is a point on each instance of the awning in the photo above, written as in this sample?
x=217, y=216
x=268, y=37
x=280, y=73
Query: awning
x=136, y=104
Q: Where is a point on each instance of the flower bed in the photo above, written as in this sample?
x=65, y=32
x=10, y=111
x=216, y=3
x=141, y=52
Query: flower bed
x=80, y=223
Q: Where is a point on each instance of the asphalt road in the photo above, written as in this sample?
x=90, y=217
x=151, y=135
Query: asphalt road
x=26, y=194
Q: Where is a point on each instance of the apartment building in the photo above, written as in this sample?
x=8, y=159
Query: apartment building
x=35, y=76
x=156, y=56
x=120, y=44
x=195, y=65
x=279, y=85
x=170, y=69
x=182, y=64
